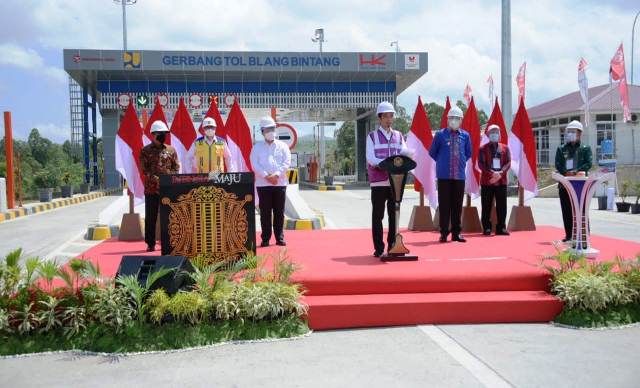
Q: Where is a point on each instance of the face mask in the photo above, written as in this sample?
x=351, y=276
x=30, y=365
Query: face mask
x=210, y=132
x=161, y=137
x=270, y=136
x=494, y=137
x=454, y=123
x=570, y=137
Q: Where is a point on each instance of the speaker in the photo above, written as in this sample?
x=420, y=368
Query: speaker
x=142, y=266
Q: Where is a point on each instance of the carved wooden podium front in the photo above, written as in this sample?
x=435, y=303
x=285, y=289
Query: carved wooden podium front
x=210, y=215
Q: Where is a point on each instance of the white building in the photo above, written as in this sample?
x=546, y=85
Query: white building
x=549, y=120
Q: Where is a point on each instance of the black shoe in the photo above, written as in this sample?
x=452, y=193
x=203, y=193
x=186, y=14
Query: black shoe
x=377, y=253
x=150, y=249
x=281, y=243
x=264, y=243
x=458, y=238
x=502, y=232
x=443, y=238
x=487, y=232
x=566, y=239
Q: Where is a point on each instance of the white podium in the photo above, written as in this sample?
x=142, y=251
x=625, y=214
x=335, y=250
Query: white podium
x=581, y=190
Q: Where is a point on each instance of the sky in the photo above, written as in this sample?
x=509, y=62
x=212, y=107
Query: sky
x=462, y=39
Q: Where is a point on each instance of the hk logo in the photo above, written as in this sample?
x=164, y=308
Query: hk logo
x=372, y=60
x=132, y=59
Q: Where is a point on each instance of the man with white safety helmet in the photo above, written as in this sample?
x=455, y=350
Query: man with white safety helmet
x=382, y=143
x=494, y=160
x=156, y=158
x=451, y=148
x=572, y=158
x=211, y=152
x=270, y=160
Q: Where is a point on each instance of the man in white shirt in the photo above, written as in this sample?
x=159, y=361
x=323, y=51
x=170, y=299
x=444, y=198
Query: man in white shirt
x=270, y=161
x=382, y=143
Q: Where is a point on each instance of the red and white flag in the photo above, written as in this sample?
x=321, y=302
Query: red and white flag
x=617, y=73
x=523, y=152
x=497, y=119
x=239, y=139
x=471, y=124
x=419, y=140
x=443, y=120
x=128, y=147
x=214, y=113
x=156, y=114
x=468, y=94
x=184, y=137
x=490, y=82
x=520, y=80
x=583, y=83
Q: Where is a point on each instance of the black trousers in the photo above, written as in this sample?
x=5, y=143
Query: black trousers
x=272, y=200
x=450, y=196
x=487, y=194
x=567, y=213
x=381, y=199
x=151, y=204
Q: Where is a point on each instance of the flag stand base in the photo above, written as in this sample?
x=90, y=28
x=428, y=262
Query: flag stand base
x=421, y=219
x=131, y=228
x=521, y=219
x=471, y=220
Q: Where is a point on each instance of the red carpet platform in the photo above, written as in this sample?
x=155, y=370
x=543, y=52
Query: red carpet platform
x=486, y=280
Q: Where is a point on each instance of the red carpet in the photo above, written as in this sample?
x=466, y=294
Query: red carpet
x=488, y=279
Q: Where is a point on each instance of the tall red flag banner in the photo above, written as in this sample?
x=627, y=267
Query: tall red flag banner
x=239, y=139
x=214, y=113
x=618, y=73
x=523, y=152
x=583, y=83
x=490, y=82
x=497, y=119
x=471, y=124
x=184, y=136
x=156, y=114
x=520, y=80
x=128, y=147
x=443, y=119
x=419, y=141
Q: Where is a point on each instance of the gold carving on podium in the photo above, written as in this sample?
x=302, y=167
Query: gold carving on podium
x=208, y=221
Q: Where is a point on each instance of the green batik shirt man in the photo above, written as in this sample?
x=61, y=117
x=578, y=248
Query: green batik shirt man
x=573, y=157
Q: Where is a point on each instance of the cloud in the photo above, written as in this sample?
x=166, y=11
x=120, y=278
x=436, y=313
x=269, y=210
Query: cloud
x=53, y=132
x=26, y=58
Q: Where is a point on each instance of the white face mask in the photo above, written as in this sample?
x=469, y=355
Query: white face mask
x=454, y=122
x=210, y=132
x=494, y=137
x=270, y=136
x=570, y=137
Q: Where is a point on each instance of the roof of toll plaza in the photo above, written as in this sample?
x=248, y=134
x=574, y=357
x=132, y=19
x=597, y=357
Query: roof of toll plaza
x=378, y=75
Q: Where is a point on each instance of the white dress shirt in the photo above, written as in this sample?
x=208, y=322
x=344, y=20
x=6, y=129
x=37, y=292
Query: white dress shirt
x=371, y=155
x=270, y=159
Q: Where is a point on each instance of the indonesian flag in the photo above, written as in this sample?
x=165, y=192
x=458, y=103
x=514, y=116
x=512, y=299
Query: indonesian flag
x=156, y=114
x=583, y=83
x=471, y=124
x=184, y=136
x=523, y=152
x=419, y=140
x=617, y=73
x=497, y=119
x=520, y=80
x=128, y=147
x=214, y=113
x=468, y=94
x=443, y=121
x=239, y=139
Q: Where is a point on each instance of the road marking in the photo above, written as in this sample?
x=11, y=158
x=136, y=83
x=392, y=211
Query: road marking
x=64, y=246
x=480, y=370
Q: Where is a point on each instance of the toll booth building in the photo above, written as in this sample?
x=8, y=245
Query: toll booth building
x=303, y=86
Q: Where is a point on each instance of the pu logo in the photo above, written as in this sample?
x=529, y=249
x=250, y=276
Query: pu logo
x=411, y=62
x=412, y=58
x=132, y=59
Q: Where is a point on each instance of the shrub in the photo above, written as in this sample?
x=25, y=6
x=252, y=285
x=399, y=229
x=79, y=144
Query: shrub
x=49, y=316
x=74, y=321
x=188, y=307
x=110, y=306
x=157, y=304
x=24, y=319
x=589, y=291
x=4, y=320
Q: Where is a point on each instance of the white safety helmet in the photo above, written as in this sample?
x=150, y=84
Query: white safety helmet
x=575, y=124
x=208, y=122
x=159, y=126
x=385, y=107
x=267, y=122
x=493, y=126
x=455, y=112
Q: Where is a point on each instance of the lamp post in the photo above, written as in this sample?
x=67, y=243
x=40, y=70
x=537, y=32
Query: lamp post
x=124, y=19
x=319, y=38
